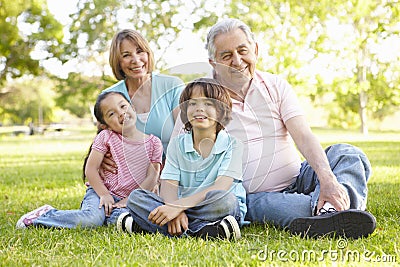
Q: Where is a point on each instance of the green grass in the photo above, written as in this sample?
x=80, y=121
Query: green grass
x=47, y=169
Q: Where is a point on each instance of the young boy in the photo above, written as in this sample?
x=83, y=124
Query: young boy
x=201, y=191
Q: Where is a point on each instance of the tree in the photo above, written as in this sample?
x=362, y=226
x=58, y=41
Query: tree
x=297, y=42
x=78, y=93
x=287, y=33
x=96, y=21
x=31, y=100
x=26, y=26
x=372, y=23
x=92, y=28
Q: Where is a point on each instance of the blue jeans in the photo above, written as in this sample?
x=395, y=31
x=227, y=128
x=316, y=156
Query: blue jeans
x=88, y=216
x=215, y=207
x=352, y=169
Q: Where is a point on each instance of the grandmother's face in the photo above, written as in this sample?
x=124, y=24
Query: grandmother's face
x=134, y=61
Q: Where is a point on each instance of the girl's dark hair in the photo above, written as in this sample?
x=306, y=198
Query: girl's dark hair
x=216, y=92
x=98, y=113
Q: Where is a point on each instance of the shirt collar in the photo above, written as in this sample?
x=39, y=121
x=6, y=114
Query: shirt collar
x=221, y=144
x=256, y=82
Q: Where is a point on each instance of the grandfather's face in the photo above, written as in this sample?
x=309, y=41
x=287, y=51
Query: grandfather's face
x=235, y=57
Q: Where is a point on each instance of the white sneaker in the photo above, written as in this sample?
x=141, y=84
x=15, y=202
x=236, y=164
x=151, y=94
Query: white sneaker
x=27, y=219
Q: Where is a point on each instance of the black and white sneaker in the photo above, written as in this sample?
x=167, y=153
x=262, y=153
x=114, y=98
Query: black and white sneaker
x=349, y=223
x=227, y=228
x=125, y=223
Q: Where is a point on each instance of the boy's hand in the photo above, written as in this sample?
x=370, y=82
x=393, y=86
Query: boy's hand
x=163, y=214
x=178, y=225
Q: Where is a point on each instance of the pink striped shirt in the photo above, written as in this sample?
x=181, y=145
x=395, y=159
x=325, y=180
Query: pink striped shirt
x=132, y=158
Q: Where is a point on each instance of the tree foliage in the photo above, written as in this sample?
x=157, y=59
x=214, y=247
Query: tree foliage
x=26, y=26
x=92, y=28
x=96, y=22
x=78, y=93
x=325, y=47
x=31, y=100
x=372, y=23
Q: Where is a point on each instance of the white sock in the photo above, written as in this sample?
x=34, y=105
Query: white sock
x=327, y=206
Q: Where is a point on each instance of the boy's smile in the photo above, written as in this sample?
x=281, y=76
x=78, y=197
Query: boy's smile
x=201, y=111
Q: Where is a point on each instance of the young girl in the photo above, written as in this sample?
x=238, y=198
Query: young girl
x=201, y=184
x=137, y=155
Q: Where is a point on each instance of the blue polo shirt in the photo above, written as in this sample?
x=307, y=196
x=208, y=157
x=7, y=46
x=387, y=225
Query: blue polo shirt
x=195, y=173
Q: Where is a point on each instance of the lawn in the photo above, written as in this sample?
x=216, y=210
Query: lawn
x=35, y=170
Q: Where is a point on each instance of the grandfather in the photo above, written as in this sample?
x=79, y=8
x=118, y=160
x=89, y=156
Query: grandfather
x=327, y=193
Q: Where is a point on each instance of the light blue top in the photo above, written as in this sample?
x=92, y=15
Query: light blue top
x=196, y=173
x=165, y=94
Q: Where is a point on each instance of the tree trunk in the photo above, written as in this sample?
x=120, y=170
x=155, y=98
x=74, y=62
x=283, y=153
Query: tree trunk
x=363, y=112
x=363, y=96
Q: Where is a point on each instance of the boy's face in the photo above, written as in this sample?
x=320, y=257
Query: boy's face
x=201, y=111
x=117, y=113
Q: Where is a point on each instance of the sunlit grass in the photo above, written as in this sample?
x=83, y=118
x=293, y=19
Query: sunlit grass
x=35, y=170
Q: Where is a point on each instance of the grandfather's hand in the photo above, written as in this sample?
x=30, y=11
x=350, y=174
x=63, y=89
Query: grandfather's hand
x=334, y=193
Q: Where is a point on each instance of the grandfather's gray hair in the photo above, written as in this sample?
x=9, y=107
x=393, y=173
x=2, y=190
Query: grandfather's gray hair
x=225, y=26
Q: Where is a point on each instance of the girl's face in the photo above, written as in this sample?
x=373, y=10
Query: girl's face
x=133, y=60
x=201, y=111
x=118, y=113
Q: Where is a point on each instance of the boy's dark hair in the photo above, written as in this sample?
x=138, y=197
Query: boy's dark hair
x=217, y=93
x=98, y=113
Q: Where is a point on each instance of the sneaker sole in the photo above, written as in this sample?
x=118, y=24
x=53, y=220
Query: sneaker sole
x=348, y=223
x=235, y=228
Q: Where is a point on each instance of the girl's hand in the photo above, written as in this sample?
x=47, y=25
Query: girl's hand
x=178, y=225
x=156, y=189
x=107, y=201
x=163, y=214
x=108, y=164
